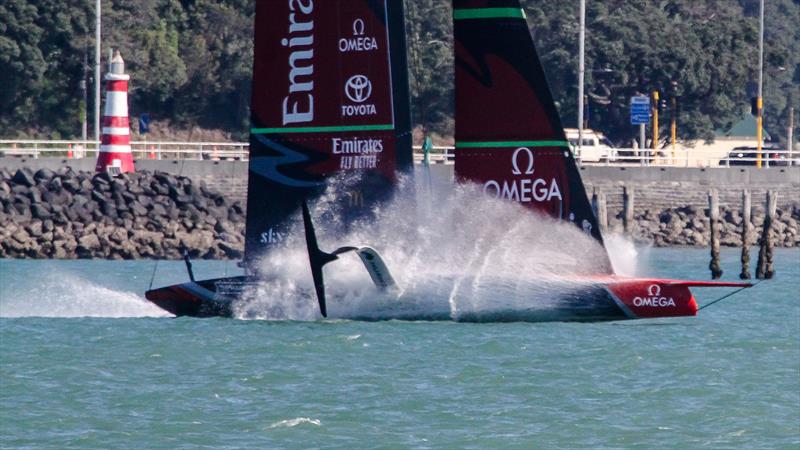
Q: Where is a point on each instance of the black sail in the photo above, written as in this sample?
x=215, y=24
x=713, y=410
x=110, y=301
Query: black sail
x=509, y=137
x=330, y=101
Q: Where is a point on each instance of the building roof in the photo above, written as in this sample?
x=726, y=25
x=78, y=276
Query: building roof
x=745, y=128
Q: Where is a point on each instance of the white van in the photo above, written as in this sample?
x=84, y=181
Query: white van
x=596, y=147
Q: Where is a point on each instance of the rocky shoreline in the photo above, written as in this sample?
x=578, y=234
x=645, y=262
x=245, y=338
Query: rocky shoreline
x=67, y=214
x=690, y=227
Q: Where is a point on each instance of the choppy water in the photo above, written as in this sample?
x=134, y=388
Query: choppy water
x=132, y=378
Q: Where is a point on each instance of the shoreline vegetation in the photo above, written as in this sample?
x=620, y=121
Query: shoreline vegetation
x=191, y=64
x=68, y=214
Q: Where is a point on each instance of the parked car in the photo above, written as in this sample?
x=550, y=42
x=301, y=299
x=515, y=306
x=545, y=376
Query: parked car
x=595, y=148
x=747, y=156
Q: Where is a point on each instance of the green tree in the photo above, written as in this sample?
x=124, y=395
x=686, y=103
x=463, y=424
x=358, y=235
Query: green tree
x=429, y=31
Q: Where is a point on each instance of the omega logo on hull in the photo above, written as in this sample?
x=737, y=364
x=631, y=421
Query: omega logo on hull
x=654, y=298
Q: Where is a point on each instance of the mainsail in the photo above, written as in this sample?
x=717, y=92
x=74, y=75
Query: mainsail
x=330, y=98
x=509, y=137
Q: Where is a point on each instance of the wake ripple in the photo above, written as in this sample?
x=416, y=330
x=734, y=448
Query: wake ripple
x=68, y=295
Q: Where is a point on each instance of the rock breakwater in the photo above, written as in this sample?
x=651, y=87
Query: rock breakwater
x=691, y=226
x=69, y=214
x=66, y=214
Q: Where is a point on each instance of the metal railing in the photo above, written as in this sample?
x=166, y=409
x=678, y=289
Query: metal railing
x=141, y=149
x=680, y=157
x=238, y=151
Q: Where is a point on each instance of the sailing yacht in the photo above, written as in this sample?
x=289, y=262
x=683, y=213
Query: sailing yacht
x=510, y=141
x=330, y=102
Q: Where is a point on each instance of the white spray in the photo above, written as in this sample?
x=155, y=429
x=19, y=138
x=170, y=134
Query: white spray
x=456, y=254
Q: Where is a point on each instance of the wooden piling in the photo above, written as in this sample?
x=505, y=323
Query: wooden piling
x=600, y=209
x=765, y=268
x=627, y=209
x=713, y=214
x=746, y=227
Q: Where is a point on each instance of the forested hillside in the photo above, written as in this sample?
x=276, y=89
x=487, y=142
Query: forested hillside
x=190, y=61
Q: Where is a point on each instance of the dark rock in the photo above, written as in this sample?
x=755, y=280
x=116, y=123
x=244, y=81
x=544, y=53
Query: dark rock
x=138, y=209
x=71, y=185
x=128, y=197
x=98, y=196
x=183, y=200
x=158, y=210
x=108, y=209
x=43, y=175
x=118, y=186
x=34, y=228
x=86, y=185
x=224, y=226
x=71, y=214
x=40, y=211
x=35, y=194
x=55, y=198
x=23, y=177
x=79, y=200
x=233, y=251
x=165, y=178
x=55, y=185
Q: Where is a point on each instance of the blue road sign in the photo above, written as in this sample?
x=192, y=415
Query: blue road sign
x=640, y=110
x=144, y=123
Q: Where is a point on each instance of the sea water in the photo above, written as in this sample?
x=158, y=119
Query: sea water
x=86, y=362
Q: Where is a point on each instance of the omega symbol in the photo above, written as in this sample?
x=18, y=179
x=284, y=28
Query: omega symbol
x=515, y=162
x=358, y=27
x=358, y=89
x=654, y=290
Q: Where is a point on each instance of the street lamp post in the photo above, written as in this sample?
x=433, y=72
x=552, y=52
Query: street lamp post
x=760, y=99
x=97, y=80
x=581, y=71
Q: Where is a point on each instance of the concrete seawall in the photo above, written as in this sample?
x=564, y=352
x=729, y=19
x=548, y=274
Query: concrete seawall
x=656, y=187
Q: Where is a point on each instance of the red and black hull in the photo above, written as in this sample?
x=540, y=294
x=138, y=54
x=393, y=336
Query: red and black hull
x=206, y=298
x=597, y=299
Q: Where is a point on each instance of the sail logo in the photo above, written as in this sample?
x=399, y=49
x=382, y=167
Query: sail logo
x=654, y=298
x=298, y=105
x=515, y=161
x=356, y=145
x=524, y=190
x=271, y=237
x=357, y=153
x=358, y=89
x=358, y=42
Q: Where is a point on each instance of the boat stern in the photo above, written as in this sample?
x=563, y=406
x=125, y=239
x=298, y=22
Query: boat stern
x=652, y=298
x=189, y=299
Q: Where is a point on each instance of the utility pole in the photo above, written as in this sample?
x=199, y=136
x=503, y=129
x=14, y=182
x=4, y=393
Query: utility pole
x=581, y=71
x=84, y=95
x=760, y=99
x=97, y=80
x=655, y=125
x=790, y=141
x=673, y=127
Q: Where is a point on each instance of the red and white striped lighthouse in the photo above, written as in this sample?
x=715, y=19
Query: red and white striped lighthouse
x=115, y=147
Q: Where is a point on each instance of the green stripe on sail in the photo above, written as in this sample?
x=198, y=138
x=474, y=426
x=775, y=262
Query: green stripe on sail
x=332, y=129
x=490, y=144
x=489, y=13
